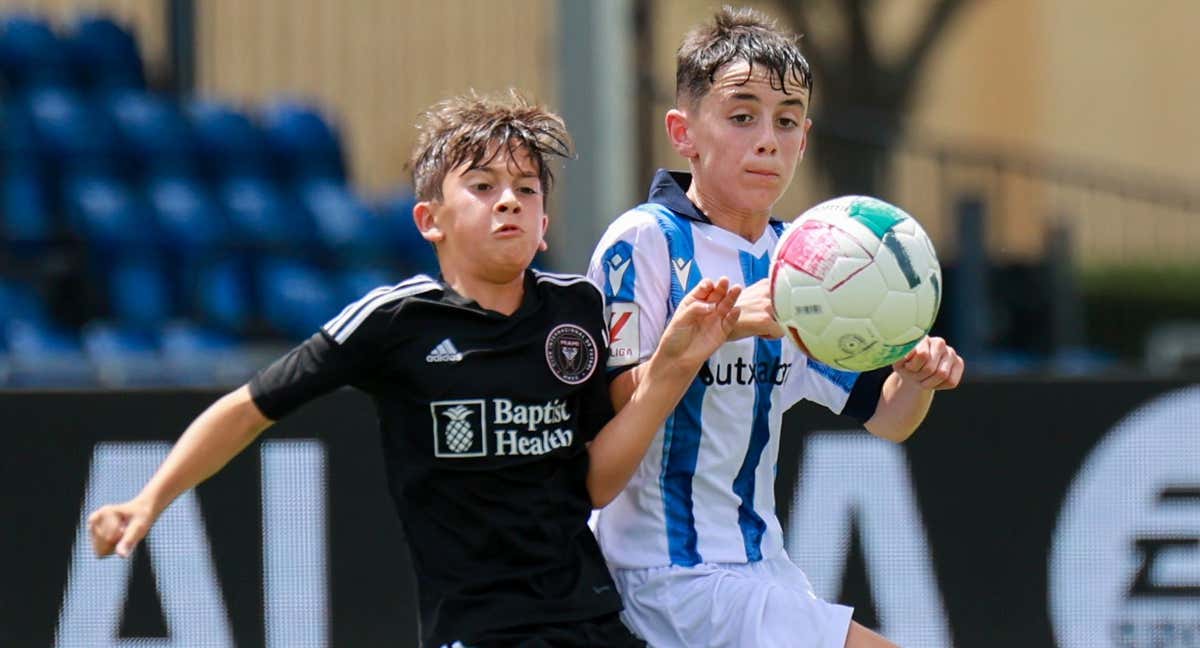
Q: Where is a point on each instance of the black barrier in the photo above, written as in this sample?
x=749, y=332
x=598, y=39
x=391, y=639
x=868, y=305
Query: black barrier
x=1022, y=514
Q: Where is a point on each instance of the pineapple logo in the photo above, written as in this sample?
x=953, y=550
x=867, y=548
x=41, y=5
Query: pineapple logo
x=458, y=432
x=459, y=428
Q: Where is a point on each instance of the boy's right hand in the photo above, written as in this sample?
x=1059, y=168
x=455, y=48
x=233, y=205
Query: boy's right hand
x=702, y=322
x=119, y=527
x=757, y=314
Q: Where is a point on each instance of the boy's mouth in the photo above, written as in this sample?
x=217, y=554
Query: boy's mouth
x=506, y=229
x=763, y=172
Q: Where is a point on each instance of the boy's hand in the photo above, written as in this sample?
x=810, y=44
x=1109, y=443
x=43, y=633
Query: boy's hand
x=932, y=364
x=757, y=318
x=120, y=527
x=702, y=322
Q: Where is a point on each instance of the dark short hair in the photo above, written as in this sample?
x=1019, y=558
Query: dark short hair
x=473, y=129
x=738, y=35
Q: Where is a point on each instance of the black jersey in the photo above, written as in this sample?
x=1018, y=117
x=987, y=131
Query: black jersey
x=484, y=419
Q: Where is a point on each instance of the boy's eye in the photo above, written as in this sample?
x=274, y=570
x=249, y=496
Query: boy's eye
x=788, y=122
x=481, y=186
x=742, y=119
x=528, y=191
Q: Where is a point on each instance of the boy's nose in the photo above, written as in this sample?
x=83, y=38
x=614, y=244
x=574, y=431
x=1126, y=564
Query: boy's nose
x=508, y=202
x=767, y=145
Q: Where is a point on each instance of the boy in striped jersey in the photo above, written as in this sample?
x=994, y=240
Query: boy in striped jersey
x=695, y=545
x=495, y=411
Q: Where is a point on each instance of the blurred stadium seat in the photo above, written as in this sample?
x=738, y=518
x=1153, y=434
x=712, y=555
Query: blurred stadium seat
x=228, y=142
x=44, y=355
x=345, y=226
x=26, y=223
x=221, y=297
x=302, y=143
x=150, y=210
x=355, y=283
x=104, y=54
x=139, y=294
x=188, y=217
x=108, y=216
x=70, y=134
x=262, y=217
x=406, y=246
x=296, y=298
x=153, y=135
x=196, y=356
x=20, y=301
x=122, y=356
x=31, y=54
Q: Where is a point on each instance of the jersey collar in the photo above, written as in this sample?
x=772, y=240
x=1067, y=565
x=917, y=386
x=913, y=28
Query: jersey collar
x=669, y=189
x=529, y=301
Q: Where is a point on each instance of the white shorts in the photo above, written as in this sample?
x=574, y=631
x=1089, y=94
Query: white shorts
x=765, y=604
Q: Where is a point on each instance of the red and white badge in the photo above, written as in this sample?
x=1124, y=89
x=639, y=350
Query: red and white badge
x=624, y=342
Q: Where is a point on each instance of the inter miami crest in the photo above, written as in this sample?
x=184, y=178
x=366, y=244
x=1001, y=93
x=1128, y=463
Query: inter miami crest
x=571, y=353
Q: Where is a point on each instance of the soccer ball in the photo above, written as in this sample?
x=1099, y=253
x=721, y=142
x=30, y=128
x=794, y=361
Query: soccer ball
x=855, y=282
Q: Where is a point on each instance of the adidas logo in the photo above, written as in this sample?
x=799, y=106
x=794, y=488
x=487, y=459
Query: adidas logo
x=444, y=352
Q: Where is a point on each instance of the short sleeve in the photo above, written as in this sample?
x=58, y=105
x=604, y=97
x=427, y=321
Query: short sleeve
x=631, y=266
x=345, y=351
x=841, y=392
x=314, y=368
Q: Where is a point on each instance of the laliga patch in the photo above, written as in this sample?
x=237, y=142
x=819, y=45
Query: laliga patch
x=571, y=353
x=624, y=341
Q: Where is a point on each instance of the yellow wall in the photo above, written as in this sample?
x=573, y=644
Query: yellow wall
x=374, y=63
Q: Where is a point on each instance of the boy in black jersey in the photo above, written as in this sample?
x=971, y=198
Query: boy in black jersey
x=496, y=418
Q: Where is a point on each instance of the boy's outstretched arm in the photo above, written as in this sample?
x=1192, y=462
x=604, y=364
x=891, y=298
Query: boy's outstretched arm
x=700, y=325
x=216, y=436
x=931, y=366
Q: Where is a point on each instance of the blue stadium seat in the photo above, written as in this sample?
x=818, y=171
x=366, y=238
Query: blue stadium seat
x=108, y=216
x=355, y=283
x=345, y=227
x=139, y=294
x=296, y=297
x=44, y=355
x=229, y=143
x=200, y=357
x=19, y=301
x=26, y=222
x=31, y=54
x=222, y=296
x=262, y=218
x=70, y=134
x=414, y=254
x=302, y=142
x=152, y=132
x=122, y=356
x=105, y=55
x=187, y=216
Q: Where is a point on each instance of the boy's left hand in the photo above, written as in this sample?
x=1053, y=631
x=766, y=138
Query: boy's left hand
x=932, y=364
x=702, y=322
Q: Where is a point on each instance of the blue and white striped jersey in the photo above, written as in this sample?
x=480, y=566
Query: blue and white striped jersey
x=705, y=490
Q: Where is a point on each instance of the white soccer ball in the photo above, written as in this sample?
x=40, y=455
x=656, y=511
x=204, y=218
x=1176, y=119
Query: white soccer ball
x=855, y=282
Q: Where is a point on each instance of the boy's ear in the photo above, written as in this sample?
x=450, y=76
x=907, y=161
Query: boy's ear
x=679, y=133
x=804, y=140
x=542, y=245
x=426, y=224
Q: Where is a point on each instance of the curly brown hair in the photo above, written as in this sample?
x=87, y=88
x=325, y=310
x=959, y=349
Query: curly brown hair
x=738, y=35
x=473, y=129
